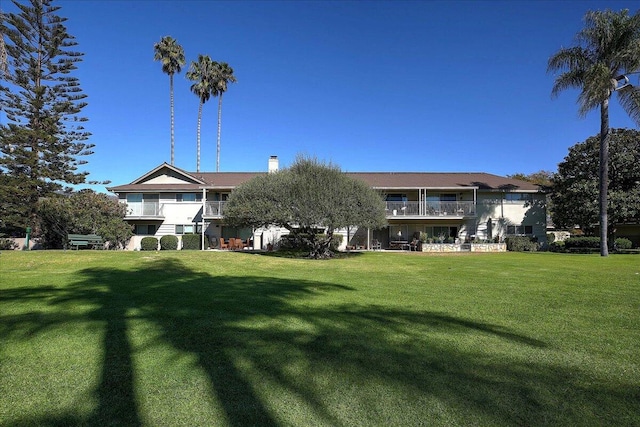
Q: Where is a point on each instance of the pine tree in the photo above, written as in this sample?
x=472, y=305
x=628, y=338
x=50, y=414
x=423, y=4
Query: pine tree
x=43, y=140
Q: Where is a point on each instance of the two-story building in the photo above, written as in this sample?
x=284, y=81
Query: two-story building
x=447, y=206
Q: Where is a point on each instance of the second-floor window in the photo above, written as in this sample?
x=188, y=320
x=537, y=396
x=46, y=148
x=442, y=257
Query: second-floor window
x=396, y=197
x=520, y=229
x=188, y=197
x=518, y=197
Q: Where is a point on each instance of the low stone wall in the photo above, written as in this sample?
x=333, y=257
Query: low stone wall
x=489, y=247
x=441, y=247
x=464, y=247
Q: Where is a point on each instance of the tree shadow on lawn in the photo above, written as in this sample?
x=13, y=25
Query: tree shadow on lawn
x=272, y=357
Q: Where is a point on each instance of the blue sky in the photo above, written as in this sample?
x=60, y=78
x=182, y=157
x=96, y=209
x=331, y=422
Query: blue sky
x=367, y=85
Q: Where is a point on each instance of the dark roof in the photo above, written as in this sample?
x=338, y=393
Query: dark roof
x=379, y=180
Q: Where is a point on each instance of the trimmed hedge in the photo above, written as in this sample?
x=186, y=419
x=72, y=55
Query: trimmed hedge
x=168, y=243
x=149, y=244
x=191, y=241
x=521, y=243
x=582, y=243
x=622, y=243
x=557, y=246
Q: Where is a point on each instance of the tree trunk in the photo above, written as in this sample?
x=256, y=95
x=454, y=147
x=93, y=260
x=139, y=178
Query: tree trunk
x=198, y=138
x=171, y=102
x=604, y=177
x=219, y=126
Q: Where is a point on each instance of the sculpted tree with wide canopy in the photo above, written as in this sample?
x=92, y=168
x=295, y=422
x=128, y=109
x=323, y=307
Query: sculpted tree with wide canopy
x=607, y=48
x=304, y=198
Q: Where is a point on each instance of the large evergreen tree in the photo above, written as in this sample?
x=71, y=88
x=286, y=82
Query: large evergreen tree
x=575, y=185
x=43, y=139
x=607, y=47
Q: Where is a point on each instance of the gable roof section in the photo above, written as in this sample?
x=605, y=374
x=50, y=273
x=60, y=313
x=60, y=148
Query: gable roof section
x=169, y=171
x=194, y=181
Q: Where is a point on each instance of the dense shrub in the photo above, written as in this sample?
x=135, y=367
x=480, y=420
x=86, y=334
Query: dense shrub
x=551, y=237
x=149, y=244
x=582, y=242
x=168, y=243
x=521, y=243
x=557, y=246
x=191, y=241
x=622, y=243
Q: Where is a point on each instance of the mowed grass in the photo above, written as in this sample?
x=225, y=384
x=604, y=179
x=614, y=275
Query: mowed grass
x=377, y=339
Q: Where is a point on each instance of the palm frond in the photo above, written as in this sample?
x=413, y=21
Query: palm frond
x=629, y=98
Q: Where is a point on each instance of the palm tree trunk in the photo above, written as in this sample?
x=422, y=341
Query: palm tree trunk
x=198, y=137
x=604, y=177
x=171, y=102
x=219, y=126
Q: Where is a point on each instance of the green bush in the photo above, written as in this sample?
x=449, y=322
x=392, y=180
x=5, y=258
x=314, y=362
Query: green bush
x=582, y=242
x=521, y=243
x=622, y=243
x=149, y=244
x=557, y=246
x=551, y=237
x=191, y=241
x=168, y=243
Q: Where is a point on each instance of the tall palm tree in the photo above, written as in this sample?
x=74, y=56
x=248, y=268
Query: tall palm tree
x=607, y=47
x=171, y=54
x=202, y=73
x=223, y=75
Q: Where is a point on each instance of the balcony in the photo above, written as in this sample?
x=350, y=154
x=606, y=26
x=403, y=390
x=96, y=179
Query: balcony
x=144, y=210
x=430, y=209
x=214, y=209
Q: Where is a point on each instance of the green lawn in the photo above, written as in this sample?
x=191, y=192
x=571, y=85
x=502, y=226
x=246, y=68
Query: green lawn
x=232, y=339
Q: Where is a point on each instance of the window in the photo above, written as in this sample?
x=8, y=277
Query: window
x=145, y=229
x=448, y=198
x=396, y=197
x=518, y=197
x=436, y=232
x=520, y=229
x=188, y=197
x=188, y=228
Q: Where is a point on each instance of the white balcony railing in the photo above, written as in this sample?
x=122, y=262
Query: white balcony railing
x=430, y=209
x=144, y=209
x=214, y=209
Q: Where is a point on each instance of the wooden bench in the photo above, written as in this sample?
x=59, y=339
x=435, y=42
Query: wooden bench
x=90, y=240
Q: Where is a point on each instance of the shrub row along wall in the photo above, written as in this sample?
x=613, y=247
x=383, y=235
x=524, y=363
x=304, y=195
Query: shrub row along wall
x=189, y=241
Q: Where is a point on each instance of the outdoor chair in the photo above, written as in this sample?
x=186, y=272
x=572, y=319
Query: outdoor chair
x=413, y=246
x=376, y=245
x=232, y=243
x=223, y=245
x=239, y=244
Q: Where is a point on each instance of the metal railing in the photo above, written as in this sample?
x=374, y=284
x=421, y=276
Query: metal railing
x=430, y=209
x=144, y=209
x=214, y=209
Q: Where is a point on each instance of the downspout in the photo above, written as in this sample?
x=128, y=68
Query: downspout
x=204, y=203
